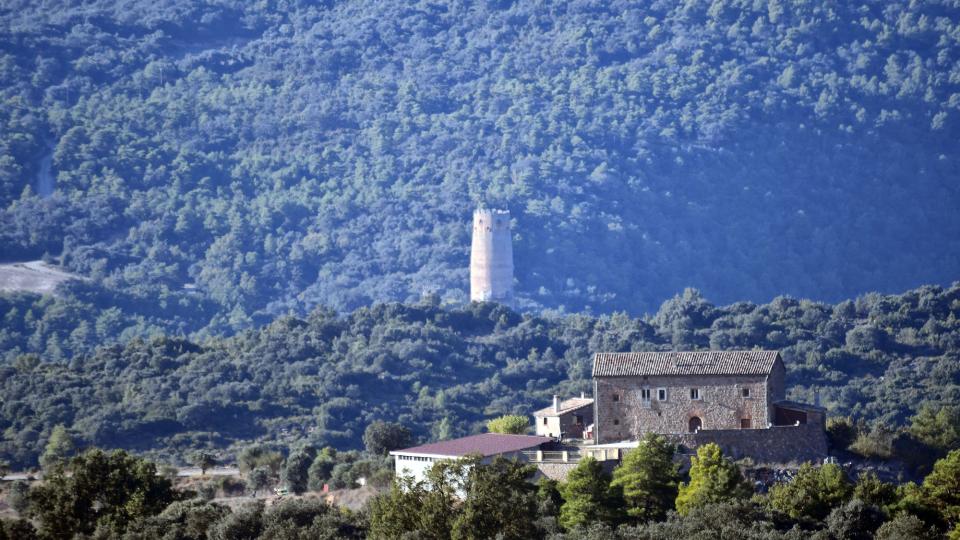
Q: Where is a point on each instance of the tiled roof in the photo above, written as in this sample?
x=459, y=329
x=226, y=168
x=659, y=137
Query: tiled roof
x=684, y=363
x=485, y=444
x=799, y=406
x=566, y=406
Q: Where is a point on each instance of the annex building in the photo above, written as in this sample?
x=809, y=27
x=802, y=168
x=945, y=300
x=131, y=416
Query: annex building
x=416, y=461
x=564, y=419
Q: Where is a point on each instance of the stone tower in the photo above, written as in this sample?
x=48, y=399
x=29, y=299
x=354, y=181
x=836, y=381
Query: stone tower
x=491, y=257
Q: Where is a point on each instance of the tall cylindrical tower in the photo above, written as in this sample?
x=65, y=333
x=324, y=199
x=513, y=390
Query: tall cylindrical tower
x=491, y=257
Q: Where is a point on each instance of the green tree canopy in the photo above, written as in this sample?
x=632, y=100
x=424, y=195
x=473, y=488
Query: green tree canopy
x=500, y=502
x=296, y=469
x=587, y=495
x=509, y=423
x=103, y=490
x=813, y=492
x=713, y=478
x=256, y=456
x=942, y=488
x=59, y=448
x=381, y=437
x=937, y=427
x=425, y=510
x=649, y=479
x=259, y=478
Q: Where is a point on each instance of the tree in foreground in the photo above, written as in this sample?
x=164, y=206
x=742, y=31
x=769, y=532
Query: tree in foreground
x=649, y=479
x=509, y=423
x=941, y=488
x=423, y=510
x=381, y=437
x=713, y=479
x=500, y=502
x=813, y=492
x=104, y=491
x=587, y=495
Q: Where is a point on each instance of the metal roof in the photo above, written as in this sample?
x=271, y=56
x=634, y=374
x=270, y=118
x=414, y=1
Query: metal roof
x=485, y=444
x=684, y=363
x=566, y=406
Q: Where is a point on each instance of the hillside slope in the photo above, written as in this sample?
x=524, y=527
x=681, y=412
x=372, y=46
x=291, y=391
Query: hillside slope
x=276, y=156
x=442, y=372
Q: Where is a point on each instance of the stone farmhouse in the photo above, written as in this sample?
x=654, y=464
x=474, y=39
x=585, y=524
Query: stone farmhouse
x=733, y=398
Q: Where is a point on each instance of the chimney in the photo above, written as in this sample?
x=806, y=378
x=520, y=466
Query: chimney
x=583, y=395
x=556, y=404
x=816, y=397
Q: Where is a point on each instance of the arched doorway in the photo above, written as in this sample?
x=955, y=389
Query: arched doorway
x=695, y=424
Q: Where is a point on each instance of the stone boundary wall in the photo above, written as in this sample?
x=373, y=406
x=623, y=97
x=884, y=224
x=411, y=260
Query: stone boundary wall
x=560, y=471
x=774, y=445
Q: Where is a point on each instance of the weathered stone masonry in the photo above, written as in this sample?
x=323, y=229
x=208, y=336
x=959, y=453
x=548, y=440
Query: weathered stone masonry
x=732, y=398
x=624, y=413
x=778, y=444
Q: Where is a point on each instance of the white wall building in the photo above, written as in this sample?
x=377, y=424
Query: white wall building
x=415, y=462
x=567, y=419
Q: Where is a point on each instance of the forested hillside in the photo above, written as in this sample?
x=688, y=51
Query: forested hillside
x=443, y=372
x=215, y=164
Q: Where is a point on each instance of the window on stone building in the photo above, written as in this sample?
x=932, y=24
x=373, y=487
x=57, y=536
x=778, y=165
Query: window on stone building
x=694, y=393
x=745, y=392
x=744, y=423
x=544, y=421
x=661, y=394
x=616, y=397
x=616, y=422
x=645, y=394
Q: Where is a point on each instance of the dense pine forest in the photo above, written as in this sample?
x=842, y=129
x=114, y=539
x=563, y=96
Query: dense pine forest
x=213, y=165
x=443, y=372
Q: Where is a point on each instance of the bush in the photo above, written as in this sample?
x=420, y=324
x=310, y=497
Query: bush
x=230, y=486
x=876, y=443
x=812, y=493
x=18, y=496
x=855, y=520
x=905, y=527
x=841, y=432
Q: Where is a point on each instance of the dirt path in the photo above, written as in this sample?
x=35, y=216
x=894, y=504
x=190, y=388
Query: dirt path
x=32, y=276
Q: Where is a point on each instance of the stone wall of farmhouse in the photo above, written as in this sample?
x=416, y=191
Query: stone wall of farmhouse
x=775, y=445
x=776, y=386
x=622, y=412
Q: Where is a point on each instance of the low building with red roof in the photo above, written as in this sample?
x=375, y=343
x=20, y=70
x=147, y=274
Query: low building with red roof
x=416, y=461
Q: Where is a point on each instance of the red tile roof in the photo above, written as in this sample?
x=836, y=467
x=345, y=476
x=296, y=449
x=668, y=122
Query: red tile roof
x=485, y=444
x=684, y=363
